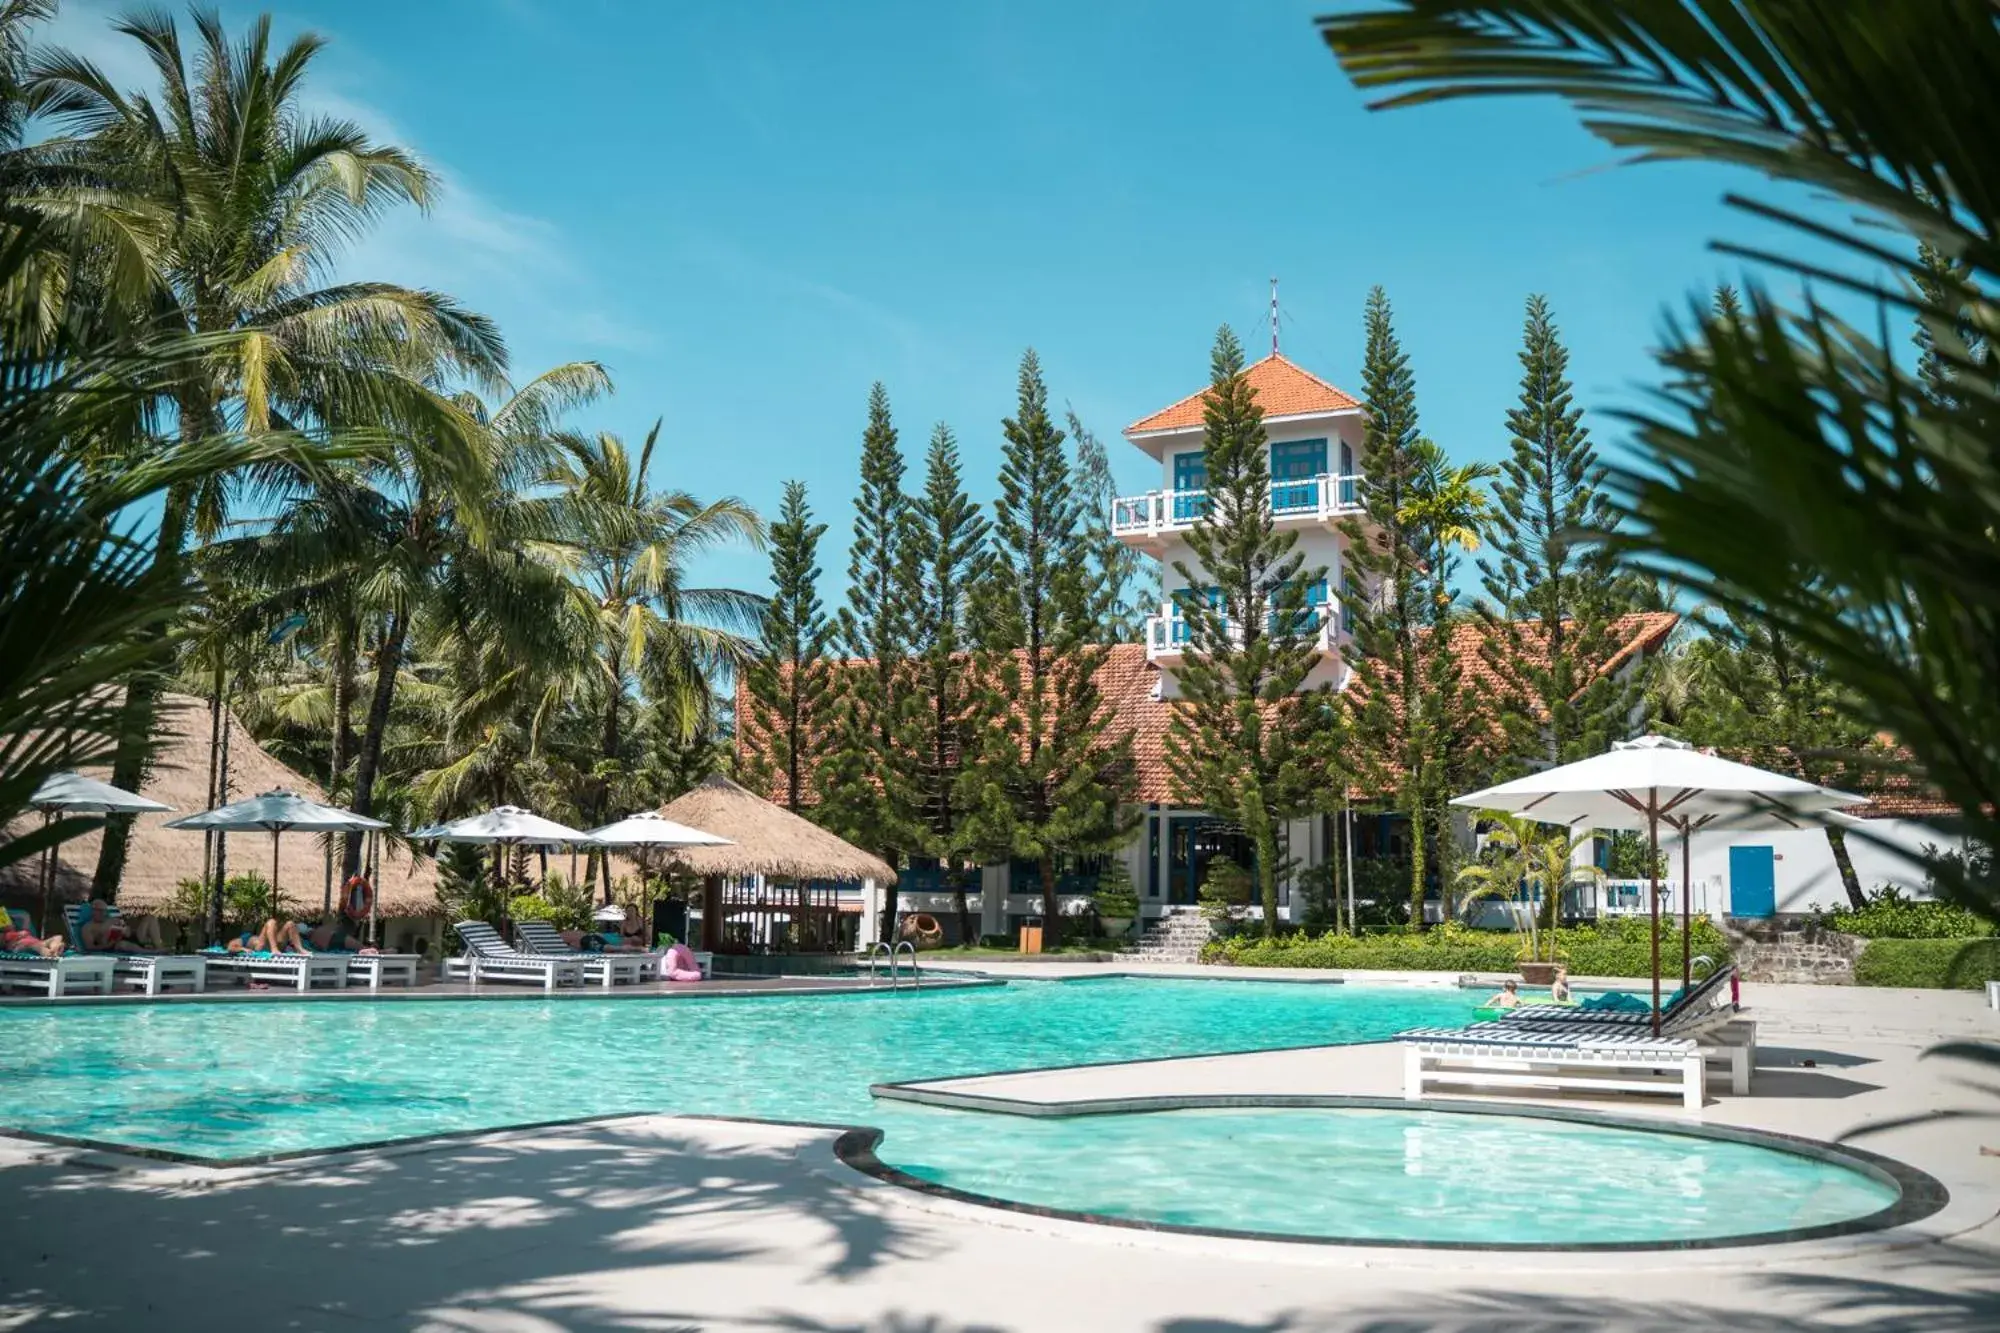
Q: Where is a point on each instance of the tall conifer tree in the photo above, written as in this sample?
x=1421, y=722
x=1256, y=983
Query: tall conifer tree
x=1405, y=674
x=944, y=556
x=1053, y=776
x=1553, y=591
x=786, y=728
x=1131, y=581
x=865, y=782
x=1240, y=744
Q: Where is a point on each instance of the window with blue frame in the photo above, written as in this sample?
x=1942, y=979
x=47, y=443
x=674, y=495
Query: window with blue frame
x=1190, y=485
x=1296, y=467
x=1346, y=473
x=1308, y=619
x=1347, y=594
x=1182, y=631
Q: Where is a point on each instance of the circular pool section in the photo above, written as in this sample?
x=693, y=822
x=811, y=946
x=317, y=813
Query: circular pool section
x=1396, y=1175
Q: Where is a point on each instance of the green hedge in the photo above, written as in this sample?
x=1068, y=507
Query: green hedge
x=1929, y=964
x=1615, y=949
x=1891, y=916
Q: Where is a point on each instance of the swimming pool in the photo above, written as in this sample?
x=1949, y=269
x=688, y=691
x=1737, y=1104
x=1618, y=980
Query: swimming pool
x=224, y=1080
x=1396, y=1175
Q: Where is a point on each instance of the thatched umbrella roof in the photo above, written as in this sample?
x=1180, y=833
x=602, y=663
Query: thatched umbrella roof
x=159, y=858
x=765, y=839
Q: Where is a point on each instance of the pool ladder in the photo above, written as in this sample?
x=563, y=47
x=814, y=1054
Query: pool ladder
x=881, y=950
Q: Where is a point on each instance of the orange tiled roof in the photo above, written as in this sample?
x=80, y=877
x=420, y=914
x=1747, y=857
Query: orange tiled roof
x=1283, y=390
x=1126, y=680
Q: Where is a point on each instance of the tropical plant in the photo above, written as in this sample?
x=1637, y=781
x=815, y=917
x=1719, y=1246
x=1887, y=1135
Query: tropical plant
x=787, y=725
x=1524, y=854
x=1889, y=481
x=247, y=202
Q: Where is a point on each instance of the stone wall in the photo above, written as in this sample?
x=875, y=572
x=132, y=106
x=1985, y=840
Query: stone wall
x=1794, y=950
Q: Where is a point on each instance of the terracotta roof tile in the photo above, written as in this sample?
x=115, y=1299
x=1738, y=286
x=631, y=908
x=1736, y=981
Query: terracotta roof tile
x=1283, y=390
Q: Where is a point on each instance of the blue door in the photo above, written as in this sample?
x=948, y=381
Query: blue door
x=1190, y=485
x=1753, y=882
x=1296, y=467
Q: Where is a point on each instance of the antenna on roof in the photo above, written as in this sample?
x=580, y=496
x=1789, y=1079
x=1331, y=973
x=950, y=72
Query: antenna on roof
x=1274, y=316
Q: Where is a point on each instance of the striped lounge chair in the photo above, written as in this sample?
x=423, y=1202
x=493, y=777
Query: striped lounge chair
x=490, y=958
x=1703, y=1013
x=543, y=940
x=1489, y=1057
x=147, y=973
x=293, y=971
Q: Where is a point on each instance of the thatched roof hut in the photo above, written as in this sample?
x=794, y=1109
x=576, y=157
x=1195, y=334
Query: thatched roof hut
x=159, y=858
x=765, y=839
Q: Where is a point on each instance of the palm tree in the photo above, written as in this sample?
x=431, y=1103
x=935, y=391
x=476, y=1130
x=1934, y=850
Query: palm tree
x=1788, y=438
x=252, y=201
x=1523, y=852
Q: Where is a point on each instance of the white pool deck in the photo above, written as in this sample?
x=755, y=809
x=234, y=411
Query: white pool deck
x=666, y=1225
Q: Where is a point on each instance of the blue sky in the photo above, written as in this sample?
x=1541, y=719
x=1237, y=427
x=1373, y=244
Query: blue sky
x=751, y=210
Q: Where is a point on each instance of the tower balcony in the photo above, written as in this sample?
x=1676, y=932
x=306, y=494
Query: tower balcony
x=1169, y=636
x=1151, y=520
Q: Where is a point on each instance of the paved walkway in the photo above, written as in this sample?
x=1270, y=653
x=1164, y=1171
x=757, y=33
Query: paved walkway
x=667, y=1225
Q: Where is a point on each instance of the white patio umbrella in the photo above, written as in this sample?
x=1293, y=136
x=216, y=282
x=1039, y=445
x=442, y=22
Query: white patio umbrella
x=75, y=794
x=505, y=826
x=646, y=829
x=279, y=812
x=1656, y=780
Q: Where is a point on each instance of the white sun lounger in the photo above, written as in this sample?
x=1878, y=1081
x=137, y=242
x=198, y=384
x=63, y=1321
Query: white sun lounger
x=69, y=974
x=1498, y=1057
x=376, y=970
x=147, y=973
x=489, y=958
x=603, y=969
x=294, y=971
x=1704, y=1014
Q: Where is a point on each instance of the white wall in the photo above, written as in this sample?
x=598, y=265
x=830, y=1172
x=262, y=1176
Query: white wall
x=1884, y=851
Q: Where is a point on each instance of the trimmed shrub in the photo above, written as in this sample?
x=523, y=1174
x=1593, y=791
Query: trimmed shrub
x=1614, y=949
x=1891, y=916
x=1928, y=964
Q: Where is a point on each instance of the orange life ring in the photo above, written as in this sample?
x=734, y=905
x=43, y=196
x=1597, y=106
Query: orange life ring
x=357, y=898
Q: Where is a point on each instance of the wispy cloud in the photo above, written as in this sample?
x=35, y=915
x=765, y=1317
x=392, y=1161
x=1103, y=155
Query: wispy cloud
x=510, y=264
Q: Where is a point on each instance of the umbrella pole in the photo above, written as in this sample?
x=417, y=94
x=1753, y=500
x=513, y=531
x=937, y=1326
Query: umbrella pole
x=48, y=875
x=274, y=875
x=1687, y=898
x=1653, y=868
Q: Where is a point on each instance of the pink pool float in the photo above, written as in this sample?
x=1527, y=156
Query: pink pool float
x=680, y=964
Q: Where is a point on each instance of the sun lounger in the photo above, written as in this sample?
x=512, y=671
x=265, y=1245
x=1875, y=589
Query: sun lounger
x=1502, y=1057
x=603, y=969
x=376, y=970
x=1702, y=1002
x=1703, y=1014
x=69, y=974
x=148, y=973
x=294, y=971
x=489, y=958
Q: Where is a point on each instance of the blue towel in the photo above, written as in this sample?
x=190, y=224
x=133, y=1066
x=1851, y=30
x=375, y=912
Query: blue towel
x=1617, y=1000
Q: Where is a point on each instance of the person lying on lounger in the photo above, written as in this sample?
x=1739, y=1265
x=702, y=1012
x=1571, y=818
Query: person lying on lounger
x=335, y=933
x=104, y=933
x=1508, y=998
x=26, y=941
x=277, y=936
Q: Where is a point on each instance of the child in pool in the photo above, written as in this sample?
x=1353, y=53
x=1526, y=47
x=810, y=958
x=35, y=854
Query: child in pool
x=1508, y=998
x=1559, y=989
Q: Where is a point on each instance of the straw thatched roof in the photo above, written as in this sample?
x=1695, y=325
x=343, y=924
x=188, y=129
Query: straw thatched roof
x=159, y=858
x=765, y=839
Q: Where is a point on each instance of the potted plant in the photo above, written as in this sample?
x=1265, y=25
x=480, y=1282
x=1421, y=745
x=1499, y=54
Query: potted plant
x=1116, y=902
x=1521, y=853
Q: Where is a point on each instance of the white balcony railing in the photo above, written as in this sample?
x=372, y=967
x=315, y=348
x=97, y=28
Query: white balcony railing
x=1169, y=635
x=1308, y=499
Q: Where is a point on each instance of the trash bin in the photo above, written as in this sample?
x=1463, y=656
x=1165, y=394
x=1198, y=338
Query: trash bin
x=1993, y=995
x=1031, y=938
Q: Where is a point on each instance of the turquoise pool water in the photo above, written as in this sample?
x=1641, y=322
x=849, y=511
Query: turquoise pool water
x=1395, y=1175
x=234, y=1080
x=219, y=1081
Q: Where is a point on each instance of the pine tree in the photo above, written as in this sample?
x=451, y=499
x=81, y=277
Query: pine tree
x=943, y=559
x=1552, y=589
x=864, y=782
x=1053, y=776
x=1240, y=744
x=787, y=728
x=1131, y=581
x=1405, y=675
